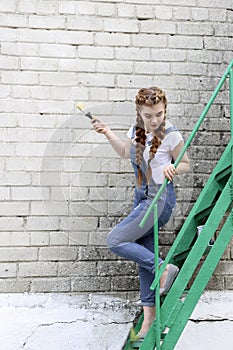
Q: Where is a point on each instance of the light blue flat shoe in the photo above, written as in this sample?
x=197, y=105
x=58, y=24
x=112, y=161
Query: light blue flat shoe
x=171, y=276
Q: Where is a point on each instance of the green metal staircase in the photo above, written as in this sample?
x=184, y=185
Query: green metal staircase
x=195, y=254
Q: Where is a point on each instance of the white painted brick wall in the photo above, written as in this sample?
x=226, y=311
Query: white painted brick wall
x=62, y=187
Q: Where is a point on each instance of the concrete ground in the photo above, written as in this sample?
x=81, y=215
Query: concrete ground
x=97, y=322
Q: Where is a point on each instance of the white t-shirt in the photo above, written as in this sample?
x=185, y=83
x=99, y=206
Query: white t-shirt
x=163, y=155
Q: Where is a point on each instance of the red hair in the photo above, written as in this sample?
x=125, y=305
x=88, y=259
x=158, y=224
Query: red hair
x=148, y=97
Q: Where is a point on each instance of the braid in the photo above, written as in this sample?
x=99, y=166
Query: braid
x=140, y=145
x=148, y=97
x=156, y=142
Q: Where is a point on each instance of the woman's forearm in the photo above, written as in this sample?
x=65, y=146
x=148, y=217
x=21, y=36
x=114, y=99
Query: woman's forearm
x=182, y=167
x=118, y=145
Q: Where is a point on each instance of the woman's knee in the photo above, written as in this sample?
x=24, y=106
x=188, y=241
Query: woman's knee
x=112, y=240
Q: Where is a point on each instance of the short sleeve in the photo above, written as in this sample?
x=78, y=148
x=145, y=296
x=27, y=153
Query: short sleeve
x=131, y=132
x=173, y=139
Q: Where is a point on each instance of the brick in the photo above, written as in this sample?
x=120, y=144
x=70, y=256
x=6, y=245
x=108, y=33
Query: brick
x=58, y=238
x=57, y=78
x=13, y=20
x=106, y=10
x=89, y=208
x=223, y=30
x=55, y=50
x=27, y=6
x=54, y=22
x=216, y=283
x=101, y=94
x=11, y=224
x=215, y=4
x=97, y=80
x=28, y=78
x=36, y=36
x=120, y=283
x=217, y=15
x=37, y=269
x=85, y=179
x=14, y=209
x=181, y=13
x=97, y=238
x=7, y=34
x=76, y=269
x=204, y=57
x=8, y=270
x=95, y=254
x=9, y=285
x=152, y=68
x=228, y=282
x=8, y=5
x=57, y=253
x=107, y=193
x=149, y=40
x=100, y=284
x=39, y=238
x=119, y=25
x=19, y=239
x=38, y=223
x=195, y=29
x=81, y=224
x=145, y=12
x=5, y=193
x=163, y=12
x=46, y=8
x=9, y=63
x=167, y=55
x=224, y=268
x=79, y=93
x=84, y=24
x=211, y=43
x=50, y=285
x=137, y=54
x=158, y=27
x=65, y=7
x=78, y=238
x=20, y=49
x=18, y=254
x=21, y=92
x=188, y=68
x=49, y=208
x=135, y=81
x=184, y=42
x=40, y=64
x=125, y=10
x=106, y=268
x=85, y=8
x=28, y=193
x=95, y=52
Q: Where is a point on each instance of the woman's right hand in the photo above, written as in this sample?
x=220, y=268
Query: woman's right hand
x=99, y=126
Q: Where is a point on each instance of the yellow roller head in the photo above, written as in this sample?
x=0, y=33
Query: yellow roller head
x=80, y=106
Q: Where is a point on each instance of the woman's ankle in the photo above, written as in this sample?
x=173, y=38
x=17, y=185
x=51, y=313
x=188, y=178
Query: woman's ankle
x=149, y=316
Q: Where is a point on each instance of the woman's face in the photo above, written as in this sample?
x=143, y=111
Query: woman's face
x=152, y=116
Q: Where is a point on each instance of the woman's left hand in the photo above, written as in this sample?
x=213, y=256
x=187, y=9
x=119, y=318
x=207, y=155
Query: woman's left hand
x=169, y=172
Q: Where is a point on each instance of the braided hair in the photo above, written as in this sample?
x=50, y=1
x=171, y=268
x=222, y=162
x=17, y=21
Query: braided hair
x=148, y=97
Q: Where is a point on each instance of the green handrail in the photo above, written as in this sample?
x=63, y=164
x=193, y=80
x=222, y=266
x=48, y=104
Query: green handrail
x=193, y=133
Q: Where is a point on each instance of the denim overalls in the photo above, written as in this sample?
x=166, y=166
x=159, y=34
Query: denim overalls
x=132, y=242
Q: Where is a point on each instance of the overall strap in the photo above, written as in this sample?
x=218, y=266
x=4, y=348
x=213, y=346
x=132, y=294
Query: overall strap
x=172, y=128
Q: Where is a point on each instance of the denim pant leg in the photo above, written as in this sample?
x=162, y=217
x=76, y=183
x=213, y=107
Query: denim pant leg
x=146, y=278
x=123, y=241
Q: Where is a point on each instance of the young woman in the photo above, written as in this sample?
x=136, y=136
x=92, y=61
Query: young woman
x=152, y=146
